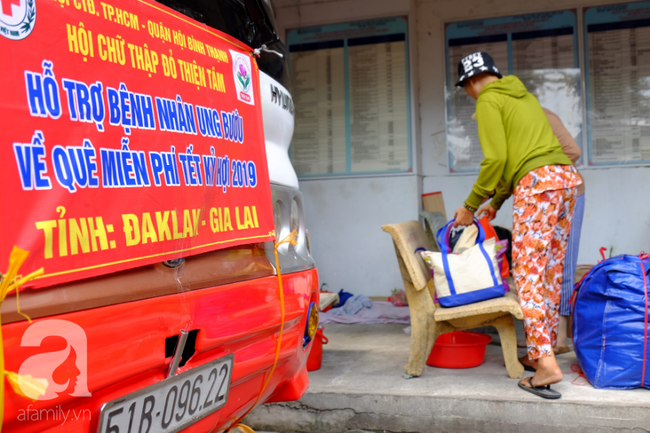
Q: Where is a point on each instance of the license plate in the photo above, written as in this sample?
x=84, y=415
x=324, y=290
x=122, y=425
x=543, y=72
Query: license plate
x=172, y=404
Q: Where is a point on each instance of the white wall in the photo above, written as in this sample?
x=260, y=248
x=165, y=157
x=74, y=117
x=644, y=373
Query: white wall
x=344, y=216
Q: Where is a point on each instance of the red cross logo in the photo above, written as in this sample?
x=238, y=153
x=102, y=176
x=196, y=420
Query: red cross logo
x=17, y=18
x=6, y=7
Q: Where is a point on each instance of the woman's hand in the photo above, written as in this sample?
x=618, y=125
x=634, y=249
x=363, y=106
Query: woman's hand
x=464, y=217
x=488, y=211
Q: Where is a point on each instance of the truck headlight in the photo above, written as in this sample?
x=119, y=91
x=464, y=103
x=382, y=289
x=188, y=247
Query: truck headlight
x=312, y=323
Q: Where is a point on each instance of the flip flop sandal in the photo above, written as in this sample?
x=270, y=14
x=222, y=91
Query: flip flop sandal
x=529, y=368
x=540, y=391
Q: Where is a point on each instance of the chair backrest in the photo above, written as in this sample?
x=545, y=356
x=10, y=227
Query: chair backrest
x=408, y=237
x=433, y=221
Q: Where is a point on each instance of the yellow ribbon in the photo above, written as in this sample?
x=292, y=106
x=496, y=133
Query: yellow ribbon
x=243, y=428
x=290, y=239
x=24, y=385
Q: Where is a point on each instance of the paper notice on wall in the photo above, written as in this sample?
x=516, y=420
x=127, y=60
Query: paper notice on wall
x=350, y=88
x=378, y=105
x=618, y=83
x=318, y=90
x=541, y=49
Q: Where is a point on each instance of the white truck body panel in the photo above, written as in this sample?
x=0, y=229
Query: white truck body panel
x=277, y=112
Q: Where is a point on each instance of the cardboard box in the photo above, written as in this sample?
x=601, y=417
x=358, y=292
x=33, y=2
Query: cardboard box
x=432, y=202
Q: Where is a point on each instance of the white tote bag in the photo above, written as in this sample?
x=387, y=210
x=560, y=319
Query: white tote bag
x=468, y=277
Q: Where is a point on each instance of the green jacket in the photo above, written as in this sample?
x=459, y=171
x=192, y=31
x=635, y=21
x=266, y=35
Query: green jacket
x=515, y=137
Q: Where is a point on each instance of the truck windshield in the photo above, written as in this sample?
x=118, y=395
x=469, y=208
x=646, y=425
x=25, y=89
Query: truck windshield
x=250, y=21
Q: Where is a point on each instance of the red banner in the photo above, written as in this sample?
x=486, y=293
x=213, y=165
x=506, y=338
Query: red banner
x=130, y=135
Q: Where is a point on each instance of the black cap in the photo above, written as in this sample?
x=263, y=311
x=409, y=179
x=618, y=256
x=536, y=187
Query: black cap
x=475, y=64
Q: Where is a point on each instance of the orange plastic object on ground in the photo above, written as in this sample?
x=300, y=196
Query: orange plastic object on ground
x=489, y=234
x=316, y=356
x=459, y=349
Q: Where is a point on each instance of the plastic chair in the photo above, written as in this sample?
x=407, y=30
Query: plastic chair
x=429, y=320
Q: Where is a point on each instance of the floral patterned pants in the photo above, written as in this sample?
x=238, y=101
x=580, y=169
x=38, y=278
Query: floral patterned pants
x=541, y=226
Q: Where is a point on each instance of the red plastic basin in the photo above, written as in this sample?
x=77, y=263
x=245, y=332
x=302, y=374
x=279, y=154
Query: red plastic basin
x=459, y=349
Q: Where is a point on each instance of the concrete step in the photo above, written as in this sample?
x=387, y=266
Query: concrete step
x=360, y=388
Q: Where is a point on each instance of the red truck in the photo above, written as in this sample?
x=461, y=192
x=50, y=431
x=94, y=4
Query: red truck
x=185, y=338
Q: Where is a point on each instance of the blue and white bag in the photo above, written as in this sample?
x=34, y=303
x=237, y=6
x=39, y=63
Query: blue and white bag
x=468, y=277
